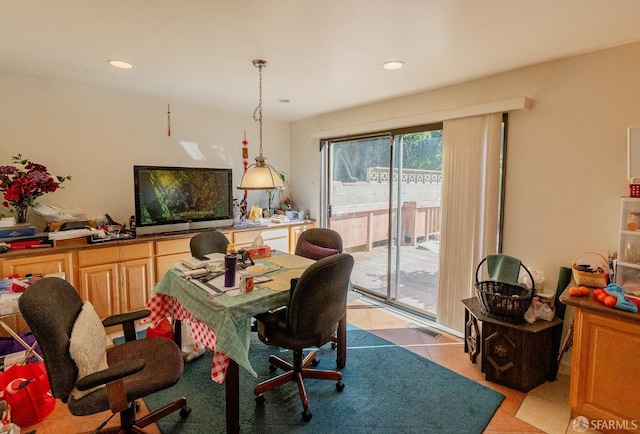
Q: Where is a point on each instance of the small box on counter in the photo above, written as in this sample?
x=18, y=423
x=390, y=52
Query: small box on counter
x=17, y=231
x=259, y=252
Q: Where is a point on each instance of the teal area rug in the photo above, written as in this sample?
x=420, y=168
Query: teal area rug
x=387, y=390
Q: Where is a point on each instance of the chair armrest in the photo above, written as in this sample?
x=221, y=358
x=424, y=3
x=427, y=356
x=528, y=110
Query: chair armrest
x=123, y=318
x=115, y=372
x=271, y=319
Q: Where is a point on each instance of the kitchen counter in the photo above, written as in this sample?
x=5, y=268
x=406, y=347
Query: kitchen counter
x=604, y=367
x=227, y=230
x=588, y=304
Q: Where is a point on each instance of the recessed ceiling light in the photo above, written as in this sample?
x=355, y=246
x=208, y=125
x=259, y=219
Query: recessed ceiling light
x=393, y=64
x=120, y=64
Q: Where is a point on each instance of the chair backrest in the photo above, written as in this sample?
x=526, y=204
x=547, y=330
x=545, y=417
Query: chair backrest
x=319, y=299
x=321, y=237
x=50, y=307
x=207, y=242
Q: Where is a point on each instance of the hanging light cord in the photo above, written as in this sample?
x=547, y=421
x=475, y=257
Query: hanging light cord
x=257, y=113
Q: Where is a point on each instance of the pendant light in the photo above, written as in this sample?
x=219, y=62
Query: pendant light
x=260, y=176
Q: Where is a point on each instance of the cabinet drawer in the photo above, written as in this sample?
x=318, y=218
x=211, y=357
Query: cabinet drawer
x=267, y=234
x=108, y=255
x=171, y=247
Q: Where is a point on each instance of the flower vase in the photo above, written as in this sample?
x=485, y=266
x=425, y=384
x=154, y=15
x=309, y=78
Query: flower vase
x=20, y=214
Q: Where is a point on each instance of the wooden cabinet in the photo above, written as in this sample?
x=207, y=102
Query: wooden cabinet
x=276, y=238
x=168, y=253
x=604, y=369
x=519, y=356
x=43, y=264
x=294, y=234
x=604, y=365
x=116, y=279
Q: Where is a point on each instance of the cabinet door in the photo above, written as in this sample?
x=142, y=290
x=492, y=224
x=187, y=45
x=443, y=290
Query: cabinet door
x=99, y=285
x=604, y=368
x=294, y=234
x=168, y=253
x=135, y=288
x=45, y=264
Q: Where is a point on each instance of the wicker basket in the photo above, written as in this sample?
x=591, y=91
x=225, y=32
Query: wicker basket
x=595, y=279
x=504, y=301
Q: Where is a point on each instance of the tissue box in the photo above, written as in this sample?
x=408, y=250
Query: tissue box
x=259, y=252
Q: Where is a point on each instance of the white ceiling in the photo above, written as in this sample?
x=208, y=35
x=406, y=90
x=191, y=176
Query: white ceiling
x=324, y=55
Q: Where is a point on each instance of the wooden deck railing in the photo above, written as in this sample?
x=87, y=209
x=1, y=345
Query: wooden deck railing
x=365, y=226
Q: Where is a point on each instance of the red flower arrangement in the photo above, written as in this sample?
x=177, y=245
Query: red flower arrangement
x=23, y=181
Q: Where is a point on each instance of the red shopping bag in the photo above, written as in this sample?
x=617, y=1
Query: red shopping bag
x=28, y=393
x=163, y=329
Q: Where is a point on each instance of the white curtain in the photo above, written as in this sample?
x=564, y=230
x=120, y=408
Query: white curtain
x=470, y=204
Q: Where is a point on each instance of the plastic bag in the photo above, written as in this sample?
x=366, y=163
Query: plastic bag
x=190, y=348
x=28, y=393
x=539, y=310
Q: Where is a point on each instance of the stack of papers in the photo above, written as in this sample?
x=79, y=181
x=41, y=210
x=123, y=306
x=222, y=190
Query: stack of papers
x=70, y=234
x=195, y=263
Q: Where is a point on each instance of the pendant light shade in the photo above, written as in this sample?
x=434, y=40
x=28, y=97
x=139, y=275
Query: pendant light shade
x=260, y=176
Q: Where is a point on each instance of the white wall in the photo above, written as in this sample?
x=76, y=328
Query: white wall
x=566, y=161
x=98, y=135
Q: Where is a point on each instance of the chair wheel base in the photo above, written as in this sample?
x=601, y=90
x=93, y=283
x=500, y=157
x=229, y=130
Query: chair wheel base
x=260, y=399
x=339, y=386
x=306, y=415
x=185, y=412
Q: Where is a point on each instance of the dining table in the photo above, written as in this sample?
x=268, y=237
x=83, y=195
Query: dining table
x=220, y=319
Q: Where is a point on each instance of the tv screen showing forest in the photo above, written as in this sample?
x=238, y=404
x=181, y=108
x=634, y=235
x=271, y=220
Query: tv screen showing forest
x=166, y=195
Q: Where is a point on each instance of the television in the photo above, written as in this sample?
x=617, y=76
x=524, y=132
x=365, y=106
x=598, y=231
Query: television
x=181, y=199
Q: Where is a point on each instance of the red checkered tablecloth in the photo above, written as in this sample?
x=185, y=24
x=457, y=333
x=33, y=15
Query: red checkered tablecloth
x=163, y=306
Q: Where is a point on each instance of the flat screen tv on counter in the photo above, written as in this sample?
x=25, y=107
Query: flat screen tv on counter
x=176, y=199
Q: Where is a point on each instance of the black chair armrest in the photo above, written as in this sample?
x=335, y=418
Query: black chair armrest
x=123, y=318
x=271, y=319
x=115, y=372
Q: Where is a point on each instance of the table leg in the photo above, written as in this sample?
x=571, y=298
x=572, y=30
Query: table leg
x=341, y=359
x=232, y=394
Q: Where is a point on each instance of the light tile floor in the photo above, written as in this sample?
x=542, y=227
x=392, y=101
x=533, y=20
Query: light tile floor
x=543, y=410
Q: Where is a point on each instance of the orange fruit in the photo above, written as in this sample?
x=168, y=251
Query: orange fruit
x=602, y=296
x=579, y=291
x=610, y=301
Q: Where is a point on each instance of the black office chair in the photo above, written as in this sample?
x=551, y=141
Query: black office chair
x=318, y=300
x=124, y=373
x=318, y=243
x=207, y=242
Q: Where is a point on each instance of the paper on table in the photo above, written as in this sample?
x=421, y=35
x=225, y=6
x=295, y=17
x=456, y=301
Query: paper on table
x=218, y=282
x=282, y=281
x=290, y=261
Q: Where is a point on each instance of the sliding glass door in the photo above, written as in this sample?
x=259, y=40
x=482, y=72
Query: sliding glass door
x=384, y=198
